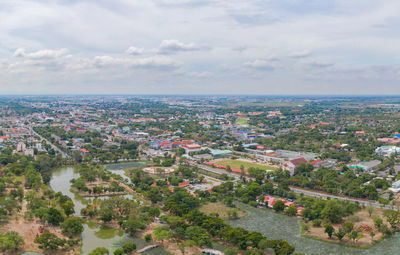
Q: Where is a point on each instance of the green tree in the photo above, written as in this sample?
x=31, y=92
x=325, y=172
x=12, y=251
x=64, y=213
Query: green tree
x=118, y=252
x=329, y=230
x=279, y=206
x=291, y=210
x=129, y=247
x=230, y=251
x=68, y=208
x=72, y=226
x=340, y=233
x=99, y=251
x=199, y=235
x=49, y=241
x=10, y=241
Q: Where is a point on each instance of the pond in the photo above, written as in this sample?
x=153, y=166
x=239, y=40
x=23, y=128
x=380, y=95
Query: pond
x=94, y=235
x=119, y=168
x=276, y=226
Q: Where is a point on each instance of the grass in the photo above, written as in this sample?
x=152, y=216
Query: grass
x=237, y=163
x=242, y=121
x=221, y=209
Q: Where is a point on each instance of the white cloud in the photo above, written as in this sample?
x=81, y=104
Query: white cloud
x=172, y=46
x=259, y=64
x=134, y=51
x=148, y=62
x=41, y=54
x=300, y=54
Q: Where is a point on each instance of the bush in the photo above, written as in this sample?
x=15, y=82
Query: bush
x=118, y=252
x=129, y=247
x=316, y=223
x=253, y=203
x=148, y=237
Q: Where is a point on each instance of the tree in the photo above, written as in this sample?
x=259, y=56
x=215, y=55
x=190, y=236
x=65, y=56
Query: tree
x=332, y=211
x=281, y=247
x=10, y=241
x=161, y=234
x=230, y=251
x=72, y=226
x=378, y=222
x=340, y=233
x=199, y=235
x=291, y=210
x=129, y=247
x=54, y=216
x=132, y=225
x=348, y=226
x=68, y=208
x=370, y=210
x=49, y=241
x=118, y=252
x=393, y=217
x=279, y=206
x=372, y=234
x=329, y=230
x=353, y=235
x=99, y=251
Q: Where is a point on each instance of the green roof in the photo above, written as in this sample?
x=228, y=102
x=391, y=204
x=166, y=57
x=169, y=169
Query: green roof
x=220, y=152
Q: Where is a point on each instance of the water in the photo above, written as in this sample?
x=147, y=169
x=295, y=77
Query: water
x=119, y=168
x=276, y=226
x=94, y=235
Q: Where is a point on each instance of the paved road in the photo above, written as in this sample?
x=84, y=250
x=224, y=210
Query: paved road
x=304, y=191
x=63, y=154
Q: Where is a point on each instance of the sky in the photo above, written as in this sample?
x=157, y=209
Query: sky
x=260, y=47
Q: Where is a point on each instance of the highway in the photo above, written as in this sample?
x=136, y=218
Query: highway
x=63, y=154
x=305, y=191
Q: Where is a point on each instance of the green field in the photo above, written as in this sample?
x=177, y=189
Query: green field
x=242, y=121
x=237, y=163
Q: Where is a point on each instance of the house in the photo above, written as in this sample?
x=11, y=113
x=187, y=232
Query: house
x=293, y=164
x=191, y=148
x=84, y=151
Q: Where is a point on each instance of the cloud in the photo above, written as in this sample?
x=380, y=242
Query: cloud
x=148, y=62
x=260, y=64
x=173, y=46
x=318, y=64
x=300, y=54
x=134, y=51
x=41, y=54
x=200, y=74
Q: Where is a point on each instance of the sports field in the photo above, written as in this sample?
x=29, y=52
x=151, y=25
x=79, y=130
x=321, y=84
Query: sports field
x=234, y=163
x=242, y=121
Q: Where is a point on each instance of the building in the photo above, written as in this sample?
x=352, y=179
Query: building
x=293, y=164
x=220, y=153
x=387, y=151
x=191, y=148
x=367, y=166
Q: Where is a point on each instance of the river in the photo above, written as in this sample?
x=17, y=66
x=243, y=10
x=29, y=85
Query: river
x=276, y=226
x=95, y=235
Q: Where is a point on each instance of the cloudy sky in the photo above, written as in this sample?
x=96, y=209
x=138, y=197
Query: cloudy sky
x=200, y=47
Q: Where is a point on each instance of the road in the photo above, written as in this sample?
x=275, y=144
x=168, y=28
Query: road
x=306, y=191
x=63, y=154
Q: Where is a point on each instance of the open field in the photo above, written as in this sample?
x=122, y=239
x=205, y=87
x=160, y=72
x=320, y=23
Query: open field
x=221, y=209
x=242, y=121
x=237, y=163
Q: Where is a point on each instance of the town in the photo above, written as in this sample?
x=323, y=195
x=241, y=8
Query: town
x=155, y=167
